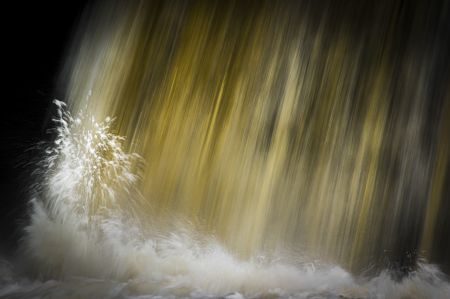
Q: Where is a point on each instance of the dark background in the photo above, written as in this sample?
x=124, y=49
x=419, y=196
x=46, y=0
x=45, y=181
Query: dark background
x=35, y=37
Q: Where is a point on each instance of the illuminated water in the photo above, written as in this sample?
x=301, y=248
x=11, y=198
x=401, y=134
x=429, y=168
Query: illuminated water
x=263, y=152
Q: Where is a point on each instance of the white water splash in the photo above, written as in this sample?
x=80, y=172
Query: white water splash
x=86, y=166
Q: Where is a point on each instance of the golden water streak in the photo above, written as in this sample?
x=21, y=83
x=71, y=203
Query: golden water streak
x=261, y=126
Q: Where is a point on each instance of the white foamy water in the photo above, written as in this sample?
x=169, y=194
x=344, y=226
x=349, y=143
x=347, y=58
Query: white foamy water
x=171, y=269
x=81, y=244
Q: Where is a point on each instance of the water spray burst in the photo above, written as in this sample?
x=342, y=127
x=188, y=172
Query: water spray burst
x=86, y=168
